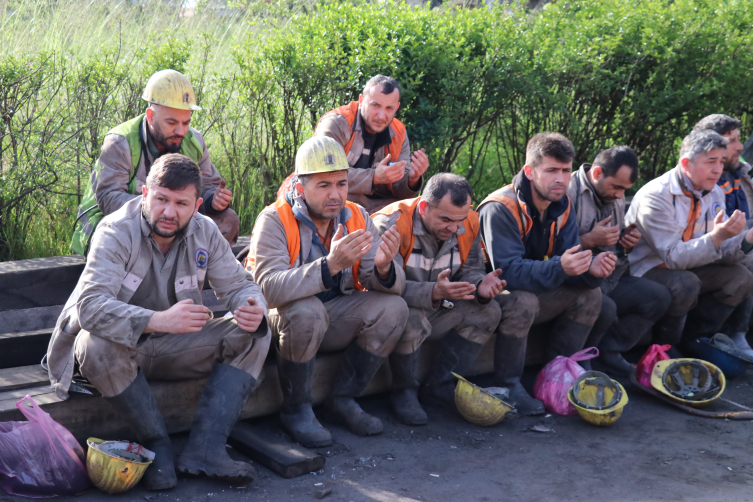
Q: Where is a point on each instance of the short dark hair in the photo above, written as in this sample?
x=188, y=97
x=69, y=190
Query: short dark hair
x=719, y=123
x=549, y=144
x=441, y=183
x=388, y=84
x=175, y=172
x=612, y=159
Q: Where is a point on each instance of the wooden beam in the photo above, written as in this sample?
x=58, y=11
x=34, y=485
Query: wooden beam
x=23, y=349
x=23, y=377
x=15, y=321
x=39, y=282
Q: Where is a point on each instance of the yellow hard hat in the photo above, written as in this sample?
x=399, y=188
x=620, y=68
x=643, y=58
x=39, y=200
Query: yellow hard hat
x=598, y=399
x=172, y=89
x=320, y=154
x=693, y=382
x=478, y=406
x=116, y=466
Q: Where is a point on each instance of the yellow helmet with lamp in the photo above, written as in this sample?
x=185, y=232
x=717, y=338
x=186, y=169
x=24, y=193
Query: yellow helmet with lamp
x=172, y=89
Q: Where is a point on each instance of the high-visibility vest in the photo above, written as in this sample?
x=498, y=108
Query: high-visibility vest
x=293, y=236
x=405, y=228
x=89, y=213
x=514, y=203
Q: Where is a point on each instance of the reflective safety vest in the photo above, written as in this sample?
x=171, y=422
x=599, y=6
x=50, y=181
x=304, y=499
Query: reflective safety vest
x=405, y=228
x=514, y=203
x=350, y=111
x=89, y=213
x=293, y=235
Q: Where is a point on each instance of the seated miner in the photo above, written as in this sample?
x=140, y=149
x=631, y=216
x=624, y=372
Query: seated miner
x=136, y=315
x=689, y=244
x=447, y=290
x=597, y=192
x=377, y=146
x=331, y=284
x=530, y=233
x=738, y=190
x=131, y=148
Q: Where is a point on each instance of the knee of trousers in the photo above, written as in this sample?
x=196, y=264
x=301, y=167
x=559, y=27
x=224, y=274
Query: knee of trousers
x=656, y=300
x=300, y=325
x=232, y=221
x=109, y=366
x=607, y=314
x=739, y=287
x=684, y=286
x=518, y=309
x=417, y=329
x=389, y=318
x=586, y=305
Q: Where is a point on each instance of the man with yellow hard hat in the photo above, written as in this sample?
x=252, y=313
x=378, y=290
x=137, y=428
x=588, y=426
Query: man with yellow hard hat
x=331, y=283
x=130, y=149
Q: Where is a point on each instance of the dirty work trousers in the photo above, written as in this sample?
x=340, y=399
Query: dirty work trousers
x=376, y=320
x=713, y=285
x=628, y=312
x=229, y=224
x=111, y=367
x=473, y=321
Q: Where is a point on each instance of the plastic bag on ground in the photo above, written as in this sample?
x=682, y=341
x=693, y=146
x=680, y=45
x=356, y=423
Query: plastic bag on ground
x=654, y=354
x=557, y=377
x=40, y=458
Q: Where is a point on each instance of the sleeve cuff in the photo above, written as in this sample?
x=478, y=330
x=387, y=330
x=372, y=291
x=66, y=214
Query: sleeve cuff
x=207, y=206
x=327, y=280
x=746, y=246
x=387, y=284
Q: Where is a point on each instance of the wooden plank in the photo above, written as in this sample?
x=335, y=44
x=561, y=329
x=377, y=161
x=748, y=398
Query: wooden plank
x=289, y=460
x=23, y=377
x=39, y=282
x=23, y=349
x=14, y=321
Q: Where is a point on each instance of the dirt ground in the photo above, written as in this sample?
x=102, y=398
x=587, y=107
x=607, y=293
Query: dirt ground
x=654, y=452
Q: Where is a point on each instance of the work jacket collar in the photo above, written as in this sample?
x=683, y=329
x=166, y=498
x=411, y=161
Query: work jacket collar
x=585, y=185
x=679, y=183
x=523, y=187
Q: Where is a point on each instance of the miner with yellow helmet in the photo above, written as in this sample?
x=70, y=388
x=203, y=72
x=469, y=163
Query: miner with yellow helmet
x=331, y=284
x=131, y=148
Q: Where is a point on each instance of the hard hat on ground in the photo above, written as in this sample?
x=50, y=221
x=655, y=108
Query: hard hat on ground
x=477, y=405
x=722, y=352
x=172, y=89
x=598, y=399
x=688, y=381
x=320, y=154
x=116, y=466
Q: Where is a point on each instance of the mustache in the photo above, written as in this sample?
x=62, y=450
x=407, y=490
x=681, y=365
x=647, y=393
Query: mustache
x=165, y=218
x=557, y=185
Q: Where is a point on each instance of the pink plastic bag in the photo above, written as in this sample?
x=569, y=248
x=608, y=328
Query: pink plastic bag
x=40, y=458
x=653, y=355
x=558, y=376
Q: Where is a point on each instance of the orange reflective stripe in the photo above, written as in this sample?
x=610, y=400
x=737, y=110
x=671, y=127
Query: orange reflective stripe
x=293, y=236
x=404, y=224
x=350, y=111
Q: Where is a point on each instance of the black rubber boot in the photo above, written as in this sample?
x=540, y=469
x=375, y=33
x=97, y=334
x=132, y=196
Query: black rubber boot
x=296, y=414
x=706, y=319
x=224, y=395
x=612, y=363
x=568, y=337
x=356, y=369
x=509, y=361
x=404, y=394
x=136, y=405
x=455, y=355
x=668, y=329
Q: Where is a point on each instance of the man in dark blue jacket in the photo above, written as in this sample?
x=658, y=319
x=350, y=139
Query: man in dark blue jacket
x=530, y=233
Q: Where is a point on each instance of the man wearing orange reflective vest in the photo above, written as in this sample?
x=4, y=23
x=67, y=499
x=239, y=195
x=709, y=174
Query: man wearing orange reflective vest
x=530, y=233
x=448, y=292
x=331, y=284
x=377, y=146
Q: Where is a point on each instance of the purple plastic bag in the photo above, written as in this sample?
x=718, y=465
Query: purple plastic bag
x=40, y=458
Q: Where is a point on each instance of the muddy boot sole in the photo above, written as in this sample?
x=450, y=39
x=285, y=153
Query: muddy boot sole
x=315, y=437
x=407, y=408
x=345, y=411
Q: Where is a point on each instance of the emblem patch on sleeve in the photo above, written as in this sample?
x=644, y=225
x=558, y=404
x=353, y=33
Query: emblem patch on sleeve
x=202, y=256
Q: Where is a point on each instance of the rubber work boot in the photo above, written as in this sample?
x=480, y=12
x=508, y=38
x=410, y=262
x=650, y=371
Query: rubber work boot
x=568, y=337
x=136, y=405
x=296, y=414
x=404, y=394
x=356, y=369
x=224, y=395
x=668, y=329
x=455, y=355
x=613, y=363
x=706, y=319
x=741, y=342
x=509, y=361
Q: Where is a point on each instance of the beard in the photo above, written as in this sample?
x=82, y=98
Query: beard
x=160, y=139
x=544, y=193
x=152, y=223
x=732, y=165
x=317, y=213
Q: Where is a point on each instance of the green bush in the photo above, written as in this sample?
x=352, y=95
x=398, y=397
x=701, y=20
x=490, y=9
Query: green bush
x=477, y=84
